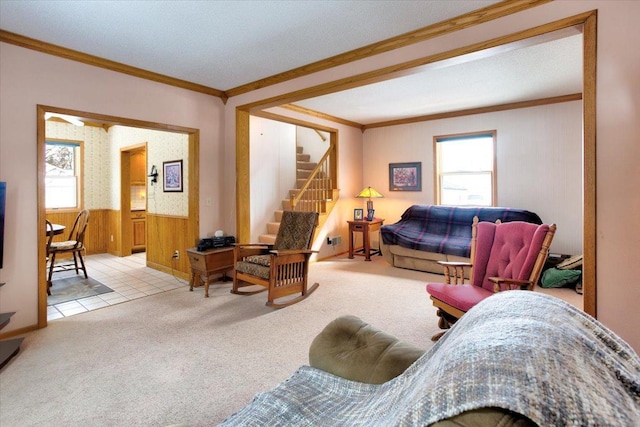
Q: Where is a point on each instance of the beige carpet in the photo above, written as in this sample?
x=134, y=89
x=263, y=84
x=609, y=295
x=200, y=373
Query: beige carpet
x=178, y=357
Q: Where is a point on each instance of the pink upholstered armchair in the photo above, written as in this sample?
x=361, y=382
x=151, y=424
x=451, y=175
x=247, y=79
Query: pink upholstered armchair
x=504, y=256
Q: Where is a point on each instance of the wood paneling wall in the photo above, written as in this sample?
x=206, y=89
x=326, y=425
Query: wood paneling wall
x=166, y=234
x=97, y=235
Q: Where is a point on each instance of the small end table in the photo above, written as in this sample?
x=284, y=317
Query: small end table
x=364, y=227
x=206, y=263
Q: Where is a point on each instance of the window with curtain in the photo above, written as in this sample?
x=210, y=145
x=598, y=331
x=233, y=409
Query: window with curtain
x=466, y=169
x=63, y=174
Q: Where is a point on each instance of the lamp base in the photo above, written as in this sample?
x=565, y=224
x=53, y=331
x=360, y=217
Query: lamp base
x=369, y=204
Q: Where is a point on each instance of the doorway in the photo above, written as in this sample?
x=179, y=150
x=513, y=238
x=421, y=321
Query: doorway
x=106, y=221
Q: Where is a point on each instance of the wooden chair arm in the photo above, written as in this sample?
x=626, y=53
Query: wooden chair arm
x=454, y=270
x=292, y=252
x=455, y=263
x=242, y=251
x=499, y=284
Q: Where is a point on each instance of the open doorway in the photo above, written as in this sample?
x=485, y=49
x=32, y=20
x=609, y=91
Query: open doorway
x=173, y=216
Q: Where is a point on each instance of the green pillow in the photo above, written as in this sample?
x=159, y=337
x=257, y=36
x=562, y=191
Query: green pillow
x=555, y=278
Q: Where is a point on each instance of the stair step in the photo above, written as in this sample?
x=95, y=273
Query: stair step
x=299, y=149
x=269, y=239
x=273, y=227
x=278, y=215
x=306, y=165
x=303, y=157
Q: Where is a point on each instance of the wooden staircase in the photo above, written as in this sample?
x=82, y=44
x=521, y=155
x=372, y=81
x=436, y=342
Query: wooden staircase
x=314, y=192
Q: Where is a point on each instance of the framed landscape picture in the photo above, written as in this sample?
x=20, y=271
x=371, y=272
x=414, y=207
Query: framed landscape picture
x=172, y=176
x=405, y=176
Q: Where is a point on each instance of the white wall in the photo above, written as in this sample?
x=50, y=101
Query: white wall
x=272, y=163
x=29, y=78
x=539, y=164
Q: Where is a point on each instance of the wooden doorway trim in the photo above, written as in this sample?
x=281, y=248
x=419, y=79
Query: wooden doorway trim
x=587, y=21
x=193, y=174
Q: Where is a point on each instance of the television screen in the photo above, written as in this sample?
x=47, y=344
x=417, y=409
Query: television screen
x=3, y=194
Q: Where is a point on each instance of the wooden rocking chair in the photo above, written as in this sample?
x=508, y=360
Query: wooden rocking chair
x=504, y=256
x=281, y=268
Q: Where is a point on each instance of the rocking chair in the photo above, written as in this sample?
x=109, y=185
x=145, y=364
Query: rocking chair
x=504, y=256
x=280, y=268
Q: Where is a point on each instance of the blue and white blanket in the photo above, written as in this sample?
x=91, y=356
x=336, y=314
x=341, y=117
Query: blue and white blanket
x=522, y=351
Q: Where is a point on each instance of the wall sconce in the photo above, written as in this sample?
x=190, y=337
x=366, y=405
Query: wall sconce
x=369, y=193
x=153, y=174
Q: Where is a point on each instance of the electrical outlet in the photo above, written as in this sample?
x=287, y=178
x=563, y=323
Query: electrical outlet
x=334, y=241
x=176, y=254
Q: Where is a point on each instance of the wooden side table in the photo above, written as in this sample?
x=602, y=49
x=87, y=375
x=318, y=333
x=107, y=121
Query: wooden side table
x=364, y=227
x=206, y=263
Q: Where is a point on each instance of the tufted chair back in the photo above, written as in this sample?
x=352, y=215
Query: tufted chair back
x=508, y=250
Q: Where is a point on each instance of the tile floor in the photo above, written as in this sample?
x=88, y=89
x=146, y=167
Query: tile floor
x=129, y=277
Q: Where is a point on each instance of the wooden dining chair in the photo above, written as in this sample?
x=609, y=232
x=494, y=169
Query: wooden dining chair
x=48, y=249
x=74, y=245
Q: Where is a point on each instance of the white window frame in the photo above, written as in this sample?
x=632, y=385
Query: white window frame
x=440, y=176
x=78, y=173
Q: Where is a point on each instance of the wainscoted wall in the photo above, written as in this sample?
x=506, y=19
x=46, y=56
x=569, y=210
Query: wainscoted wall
x=101, y=195
x=96, y=234
x=172, y=233
x=539, y=163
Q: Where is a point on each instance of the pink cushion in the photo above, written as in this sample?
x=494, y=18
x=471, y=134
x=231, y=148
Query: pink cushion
x=462, y=297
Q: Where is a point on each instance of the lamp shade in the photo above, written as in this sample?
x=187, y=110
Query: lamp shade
x=369, y=193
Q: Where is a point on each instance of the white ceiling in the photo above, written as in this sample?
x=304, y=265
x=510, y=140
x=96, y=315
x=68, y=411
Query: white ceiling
x=226, y=44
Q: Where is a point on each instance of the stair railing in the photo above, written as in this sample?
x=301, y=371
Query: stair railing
x=318, y=188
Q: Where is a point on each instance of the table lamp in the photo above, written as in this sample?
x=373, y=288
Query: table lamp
x=369, y=193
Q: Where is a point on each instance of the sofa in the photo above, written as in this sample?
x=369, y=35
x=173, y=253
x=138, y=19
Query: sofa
x=518, y=358
x=426, y=234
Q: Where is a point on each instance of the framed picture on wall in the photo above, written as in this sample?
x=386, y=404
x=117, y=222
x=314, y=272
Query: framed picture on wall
x=405, y=176
x=172, y=176
x=358, y=214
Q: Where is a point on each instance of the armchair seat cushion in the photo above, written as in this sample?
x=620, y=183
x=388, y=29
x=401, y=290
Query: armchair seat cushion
x=65, y=246
x=253, y=269
x=462, y=297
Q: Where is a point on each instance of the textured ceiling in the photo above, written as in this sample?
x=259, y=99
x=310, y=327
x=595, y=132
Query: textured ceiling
x=226, y=44
x=221, y=44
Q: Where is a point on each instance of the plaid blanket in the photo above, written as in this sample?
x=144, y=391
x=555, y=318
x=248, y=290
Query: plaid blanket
x=519, y=350
x=445, y=229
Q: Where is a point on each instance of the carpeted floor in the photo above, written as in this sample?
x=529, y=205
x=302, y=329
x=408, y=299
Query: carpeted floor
x=73, y=286
x=177, y=357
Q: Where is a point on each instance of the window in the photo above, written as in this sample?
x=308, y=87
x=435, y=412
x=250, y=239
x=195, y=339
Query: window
x=466, y=169
x=63, y=174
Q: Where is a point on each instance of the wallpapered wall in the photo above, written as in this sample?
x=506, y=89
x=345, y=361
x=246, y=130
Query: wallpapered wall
x=161, y=147
x=102, y=164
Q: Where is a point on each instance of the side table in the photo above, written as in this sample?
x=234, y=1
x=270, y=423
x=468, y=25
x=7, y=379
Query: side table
x=206, y=263
x=364, y=227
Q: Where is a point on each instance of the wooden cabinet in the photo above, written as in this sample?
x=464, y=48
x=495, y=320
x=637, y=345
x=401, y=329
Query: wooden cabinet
x=206, y=263
x=139, y=231
x=138, y=167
